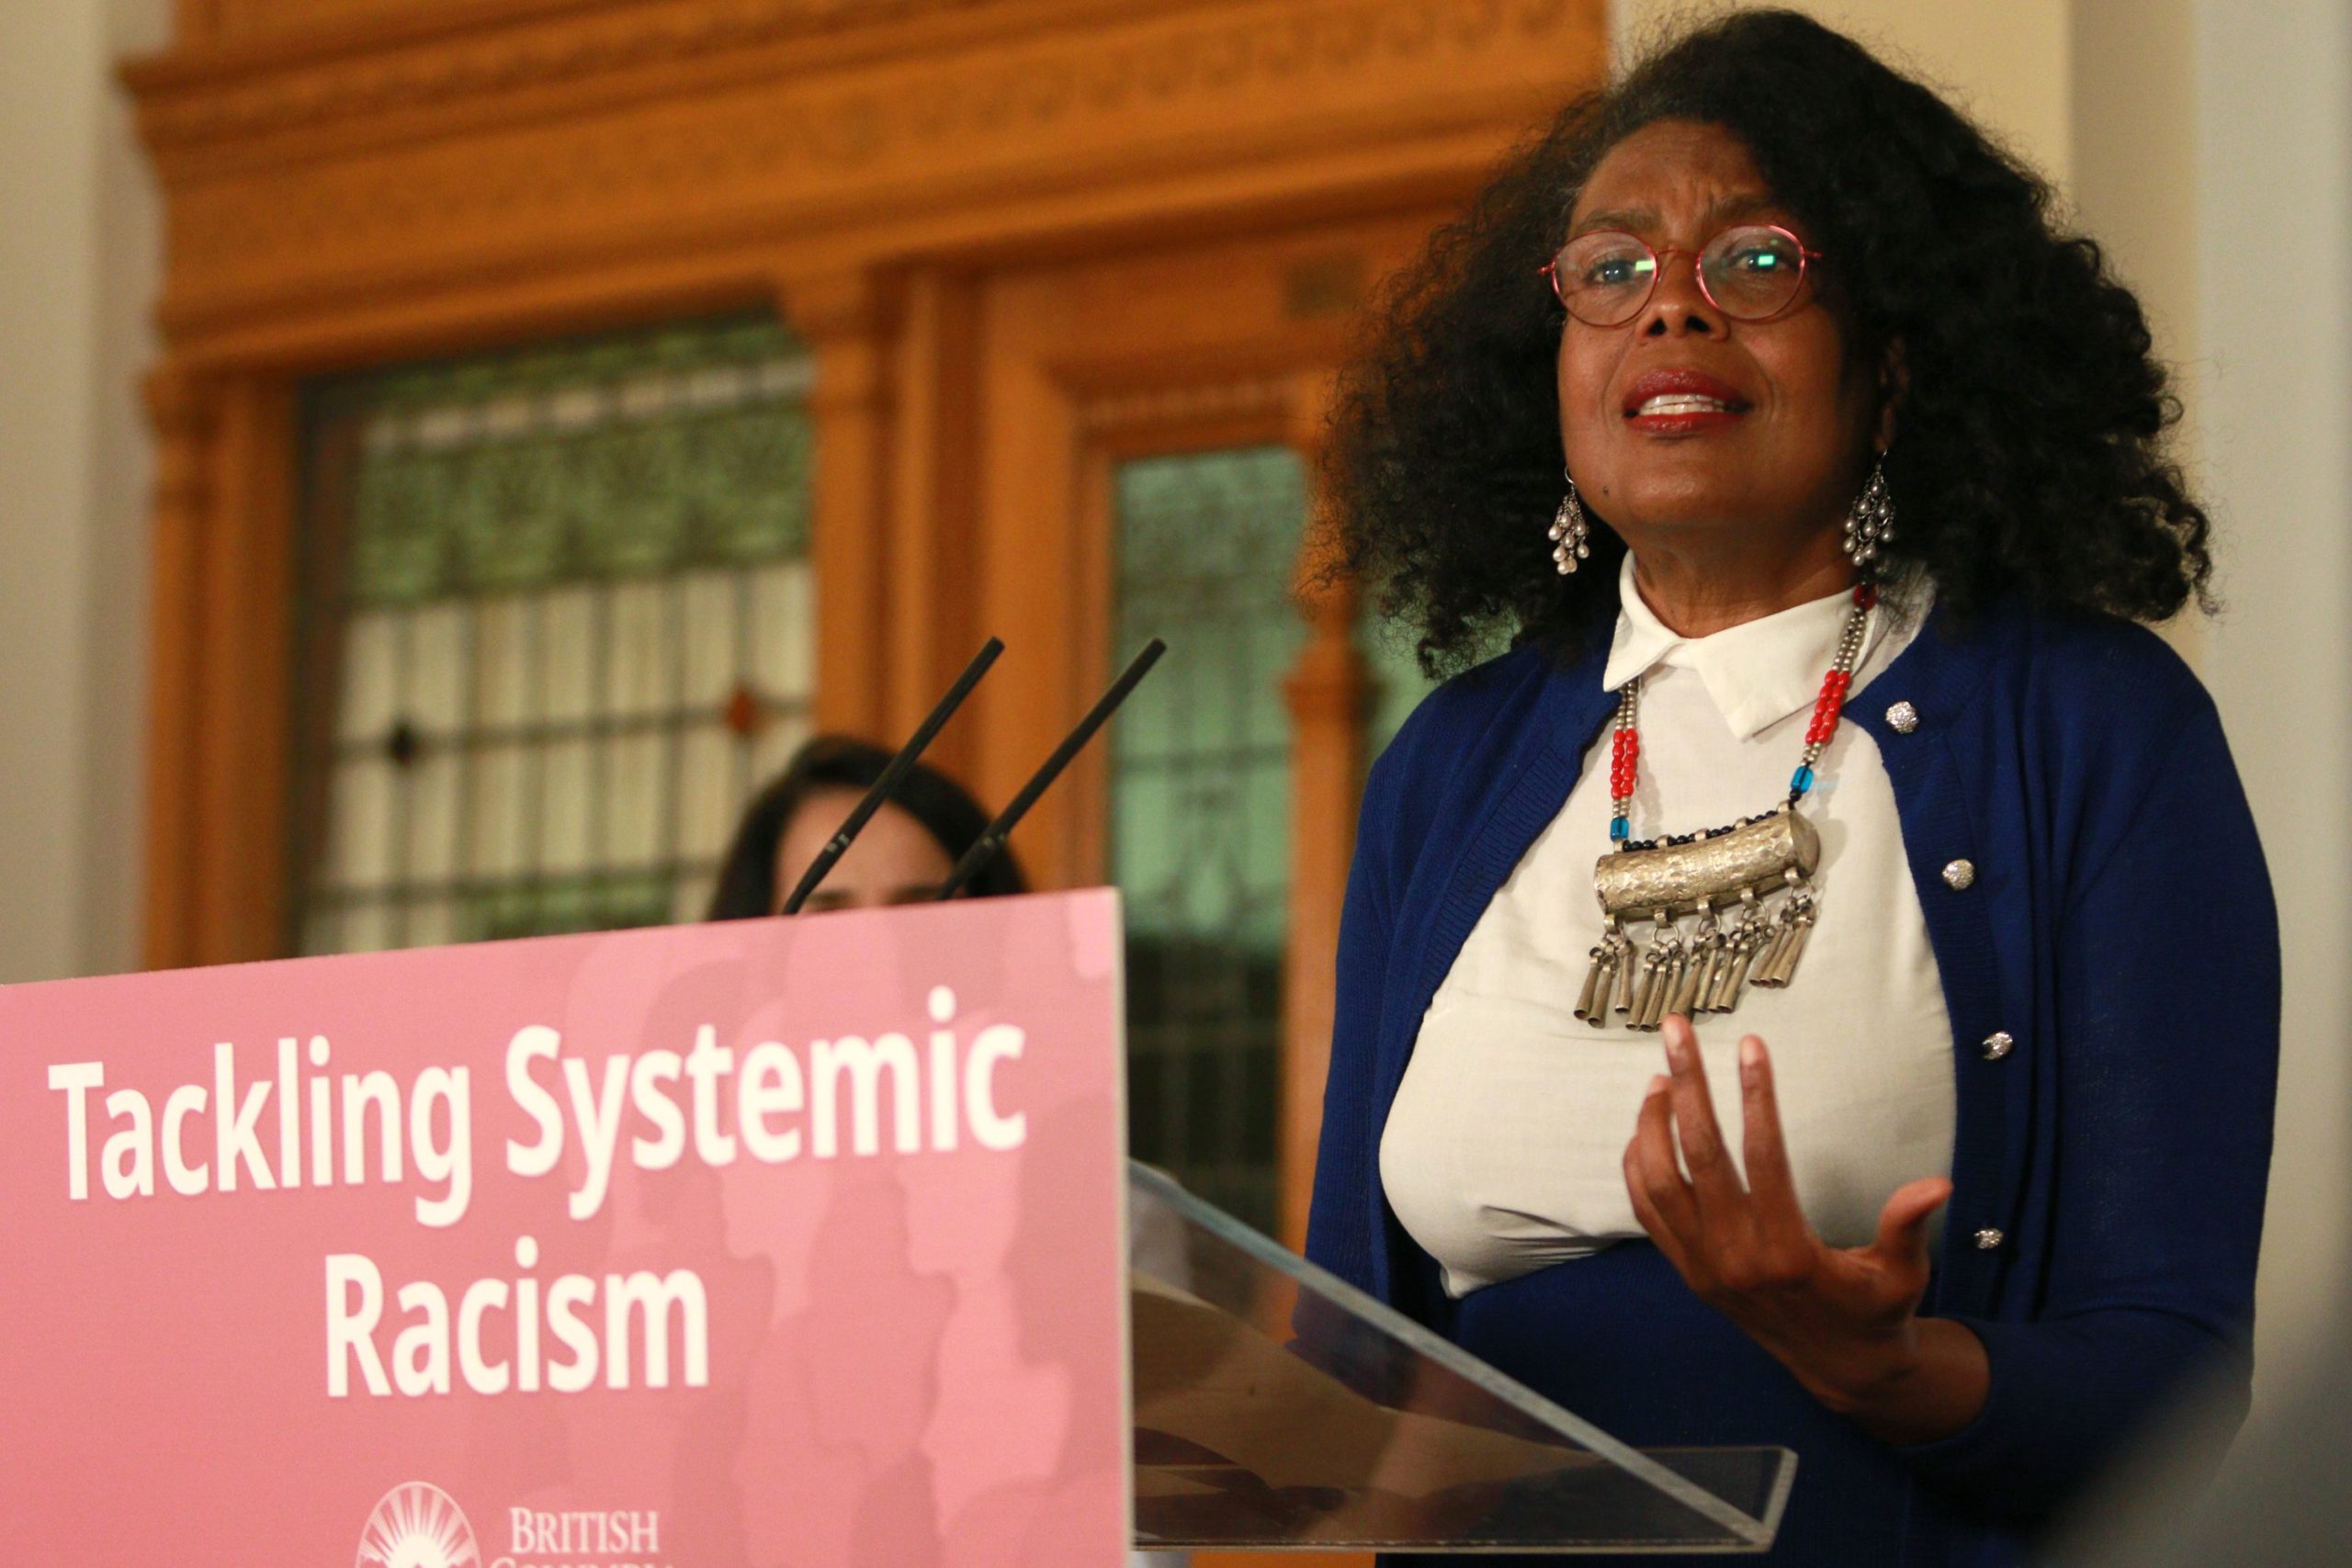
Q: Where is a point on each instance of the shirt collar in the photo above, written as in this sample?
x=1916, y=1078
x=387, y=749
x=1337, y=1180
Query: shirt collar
x=1757, y=674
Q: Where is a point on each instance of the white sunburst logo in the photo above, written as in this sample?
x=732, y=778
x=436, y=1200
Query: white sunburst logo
x=417, y=1525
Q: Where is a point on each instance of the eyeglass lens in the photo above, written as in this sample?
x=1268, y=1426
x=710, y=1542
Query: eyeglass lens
x=1750, y=272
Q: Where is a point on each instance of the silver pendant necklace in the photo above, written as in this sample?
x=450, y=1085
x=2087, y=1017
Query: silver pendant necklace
x=1745, y=890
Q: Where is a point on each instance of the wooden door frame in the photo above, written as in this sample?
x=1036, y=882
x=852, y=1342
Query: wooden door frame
x=1070, y=399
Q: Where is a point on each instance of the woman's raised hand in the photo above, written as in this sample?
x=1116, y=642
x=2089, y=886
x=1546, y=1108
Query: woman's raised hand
x=1844, y=1320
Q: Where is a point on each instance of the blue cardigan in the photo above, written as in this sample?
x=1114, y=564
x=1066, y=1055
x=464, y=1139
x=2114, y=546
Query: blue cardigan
x=2109, y=1168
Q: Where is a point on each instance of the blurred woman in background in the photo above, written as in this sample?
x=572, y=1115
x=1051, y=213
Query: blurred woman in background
x=902, y=856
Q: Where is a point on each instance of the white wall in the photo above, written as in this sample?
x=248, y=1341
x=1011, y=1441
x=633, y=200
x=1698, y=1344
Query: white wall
x=2005, y=62
x=77, y=268
x=2274, y=267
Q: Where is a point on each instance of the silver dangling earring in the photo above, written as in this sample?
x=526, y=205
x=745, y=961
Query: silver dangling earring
x=1871, y=522
x=1571, y=537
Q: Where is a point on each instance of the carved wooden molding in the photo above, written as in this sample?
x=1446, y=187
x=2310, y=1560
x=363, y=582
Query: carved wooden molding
x=311, y=180
x=1207, y=403
x=326, y=62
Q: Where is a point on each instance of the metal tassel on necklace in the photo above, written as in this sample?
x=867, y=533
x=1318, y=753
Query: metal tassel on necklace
x=1745, y=889
x=1600, y=981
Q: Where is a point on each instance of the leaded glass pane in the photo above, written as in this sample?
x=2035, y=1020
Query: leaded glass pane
x=1199, y=808
x=557, y=621
x=1397, y=684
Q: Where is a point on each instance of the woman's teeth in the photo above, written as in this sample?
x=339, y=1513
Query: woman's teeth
x=1680, y=402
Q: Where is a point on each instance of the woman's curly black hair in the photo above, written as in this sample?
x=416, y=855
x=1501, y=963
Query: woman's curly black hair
x=2029, y=454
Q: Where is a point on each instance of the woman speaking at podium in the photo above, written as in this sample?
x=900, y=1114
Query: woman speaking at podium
x=1820, y=986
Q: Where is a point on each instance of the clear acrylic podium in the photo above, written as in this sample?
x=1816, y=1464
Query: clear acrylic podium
x=1277, y=1407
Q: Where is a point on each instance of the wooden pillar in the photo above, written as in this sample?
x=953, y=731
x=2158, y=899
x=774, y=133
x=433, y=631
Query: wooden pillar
x=842, y=316
x=245, y=693
x=934, y=508
x=222, y=695
x=1327, y=692
x=180, y=407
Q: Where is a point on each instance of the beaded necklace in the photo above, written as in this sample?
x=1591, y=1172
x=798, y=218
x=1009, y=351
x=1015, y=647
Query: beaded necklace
x=1759, y=871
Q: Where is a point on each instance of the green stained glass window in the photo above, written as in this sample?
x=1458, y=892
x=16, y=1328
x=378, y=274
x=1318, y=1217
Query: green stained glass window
x=557, y=620
x=1397, y=684
x=1199, y=808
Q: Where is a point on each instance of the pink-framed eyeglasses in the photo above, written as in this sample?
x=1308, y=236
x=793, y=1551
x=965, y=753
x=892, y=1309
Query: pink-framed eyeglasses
x=1751, y=272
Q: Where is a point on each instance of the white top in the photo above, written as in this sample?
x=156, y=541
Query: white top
x=1503, y=1151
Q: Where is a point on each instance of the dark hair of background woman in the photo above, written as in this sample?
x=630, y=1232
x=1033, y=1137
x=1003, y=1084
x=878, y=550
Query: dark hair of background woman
x=2026, y=452
x=747, y=885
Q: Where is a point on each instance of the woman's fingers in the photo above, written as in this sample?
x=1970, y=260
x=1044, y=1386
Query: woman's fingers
x=1652, y=1174
x=1694, y=1114
x=1761, y=1147
x=1903, y=1224
x=1664, y=1235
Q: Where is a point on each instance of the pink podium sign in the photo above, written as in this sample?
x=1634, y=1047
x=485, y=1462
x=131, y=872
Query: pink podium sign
x=780, y=1242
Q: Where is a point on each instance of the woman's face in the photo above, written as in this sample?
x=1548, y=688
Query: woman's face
x=894, y=860
x=1785, y=457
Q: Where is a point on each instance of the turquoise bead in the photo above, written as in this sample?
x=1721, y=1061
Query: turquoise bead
x=1801, y=781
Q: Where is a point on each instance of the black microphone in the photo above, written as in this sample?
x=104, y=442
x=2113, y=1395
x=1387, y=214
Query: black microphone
x=891, y=776
x=992, y=841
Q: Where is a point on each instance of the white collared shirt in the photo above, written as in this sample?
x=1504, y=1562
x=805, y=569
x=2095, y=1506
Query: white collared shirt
x=1503, y=1150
